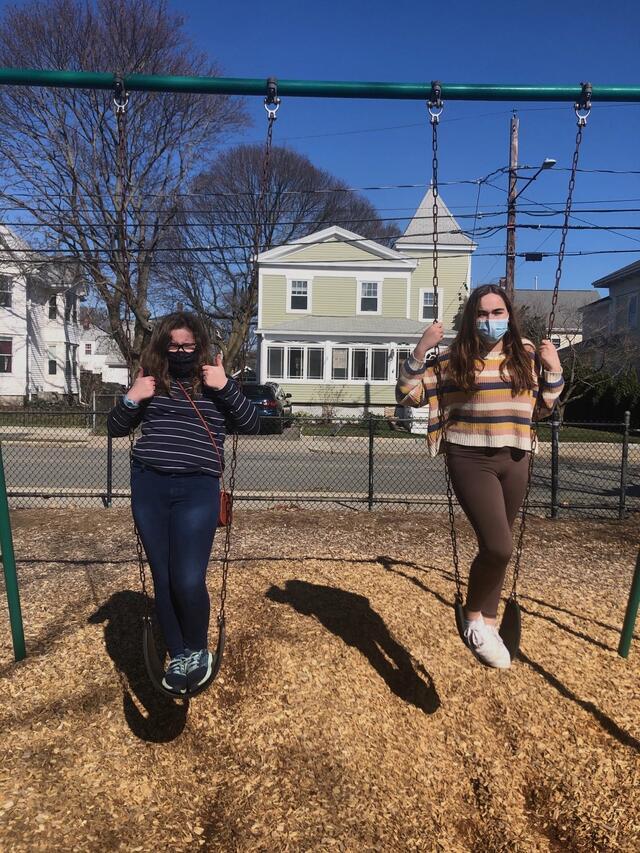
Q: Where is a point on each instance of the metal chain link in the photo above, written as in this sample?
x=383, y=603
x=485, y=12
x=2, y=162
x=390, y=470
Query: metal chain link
x=584, y=105
x=271, y=102
x=435, y=110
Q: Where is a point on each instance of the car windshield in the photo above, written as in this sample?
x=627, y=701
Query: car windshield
x=257, y=392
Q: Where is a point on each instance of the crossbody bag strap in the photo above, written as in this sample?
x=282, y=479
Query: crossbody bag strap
x=206, y=426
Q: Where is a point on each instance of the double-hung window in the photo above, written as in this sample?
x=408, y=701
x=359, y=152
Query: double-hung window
x=52, y=358
x=299, y=295
x=6, y=288
x=369, y=302
x=427, y=305
x=6, y=354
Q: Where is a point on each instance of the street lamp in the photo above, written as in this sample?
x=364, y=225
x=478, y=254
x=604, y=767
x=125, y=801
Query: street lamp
x=547, y=163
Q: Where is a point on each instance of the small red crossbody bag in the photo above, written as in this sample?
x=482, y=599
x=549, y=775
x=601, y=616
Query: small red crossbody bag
x=226, y=498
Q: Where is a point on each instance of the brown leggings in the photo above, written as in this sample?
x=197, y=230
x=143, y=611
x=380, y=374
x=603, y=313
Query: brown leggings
x=490, y=485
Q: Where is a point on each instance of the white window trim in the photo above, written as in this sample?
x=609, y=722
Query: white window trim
x=309, y=281
x=12, y=356
x=421, y=293
x=327, y=347
x=368, y=280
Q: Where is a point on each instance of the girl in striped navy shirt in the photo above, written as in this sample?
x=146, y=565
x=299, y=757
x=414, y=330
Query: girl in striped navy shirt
x=175, y=492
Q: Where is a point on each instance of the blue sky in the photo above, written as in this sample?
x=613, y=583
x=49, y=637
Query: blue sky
x=372, y=143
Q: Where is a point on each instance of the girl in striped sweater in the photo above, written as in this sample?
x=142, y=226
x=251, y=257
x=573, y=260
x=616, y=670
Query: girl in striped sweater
x=175, y=477
x=489, y=391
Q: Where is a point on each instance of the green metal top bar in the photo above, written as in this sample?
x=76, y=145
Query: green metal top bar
x=312, y=88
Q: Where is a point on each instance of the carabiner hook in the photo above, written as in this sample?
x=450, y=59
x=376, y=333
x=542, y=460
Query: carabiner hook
x=583, y=106
x=272, y=101
x=435, y=104
x=120, y=96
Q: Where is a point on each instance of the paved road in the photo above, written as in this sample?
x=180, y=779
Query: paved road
x=286, y=466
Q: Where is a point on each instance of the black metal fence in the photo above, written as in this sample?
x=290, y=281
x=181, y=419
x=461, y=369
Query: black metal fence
x=65, y=458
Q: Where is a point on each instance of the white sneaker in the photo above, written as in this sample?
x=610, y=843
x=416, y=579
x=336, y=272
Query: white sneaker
x=486, y=643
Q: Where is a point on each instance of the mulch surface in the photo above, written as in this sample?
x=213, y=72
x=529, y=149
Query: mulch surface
x=348, y=715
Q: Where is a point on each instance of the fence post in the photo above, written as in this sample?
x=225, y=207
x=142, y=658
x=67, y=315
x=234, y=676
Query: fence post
x=93, y=408
x=370, y=497
x=109, y=496
x=555, y=461
x=10, y=576
x=624, y=465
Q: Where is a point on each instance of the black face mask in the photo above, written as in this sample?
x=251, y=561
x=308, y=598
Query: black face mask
x=181, y=364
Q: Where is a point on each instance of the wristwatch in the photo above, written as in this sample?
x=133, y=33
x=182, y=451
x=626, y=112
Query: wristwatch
x=130, y=404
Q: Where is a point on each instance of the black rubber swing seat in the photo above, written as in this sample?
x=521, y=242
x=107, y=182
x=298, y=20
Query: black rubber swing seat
x=510, y=626
x=155, y=669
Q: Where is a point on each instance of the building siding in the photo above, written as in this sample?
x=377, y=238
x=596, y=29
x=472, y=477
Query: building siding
x=330, y=250
x=452, y=278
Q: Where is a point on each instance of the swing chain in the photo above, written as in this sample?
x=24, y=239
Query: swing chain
x=272, y=103
x=584, y=104
x=434, y=118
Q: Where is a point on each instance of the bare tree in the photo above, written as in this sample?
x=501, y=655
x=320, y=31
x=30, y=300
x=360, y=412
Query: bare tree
x=212, y=265
x=99, y=191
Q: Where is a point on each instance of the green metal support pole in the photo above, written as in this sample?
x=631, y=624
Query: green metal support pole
x=626, y=635
x=9, y=566
x=311, y=88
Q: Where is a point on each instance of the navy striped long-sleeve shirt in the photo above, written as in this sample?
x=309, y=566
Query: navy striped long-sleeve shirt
x=174, y=438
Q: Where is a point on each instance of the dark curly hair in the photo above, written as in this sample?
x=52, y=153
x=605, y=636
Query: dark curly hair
x=154, y=356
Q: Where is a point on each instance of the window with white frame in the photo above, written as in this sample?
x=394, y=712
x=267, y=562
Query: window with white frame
x=315, y=363
x=556, y=342
x=299, y=295
x=402, y=354
x=87, y=349
x=6, y=288
x=6, y=354
x=74, y=360
x=379, y=365
x=53, y=306
x=340, y=363
x=52, y=357
x=369, y=297
x=275, y=362
x=632, y=312
x=427, y=305
x=359, y=364
x=295, y=363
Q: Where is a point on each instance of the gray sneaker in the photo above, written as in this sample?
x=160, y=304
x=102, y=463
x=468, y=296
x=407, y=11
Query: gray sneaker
x=486, y=643
x=175, y=678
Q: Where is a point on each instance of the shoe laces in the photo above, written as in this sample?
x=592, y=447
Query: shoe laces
x=193, y=658
x=176, y=665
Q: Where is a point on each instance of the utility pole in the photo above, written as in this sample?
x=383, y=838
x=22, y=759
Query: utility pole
x=511, y=208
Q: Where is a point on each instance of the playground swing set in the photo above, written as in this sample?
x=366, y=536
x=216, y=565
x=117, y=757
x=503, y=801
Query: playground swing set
x=434, y=95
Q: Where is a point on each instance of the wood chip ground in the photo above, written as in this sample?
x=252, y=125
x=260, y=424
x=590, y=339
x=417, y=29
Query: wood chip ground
x=348, y=716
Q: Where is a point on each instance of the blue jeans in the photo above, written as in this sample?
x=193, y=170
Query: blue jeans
x=176, y=516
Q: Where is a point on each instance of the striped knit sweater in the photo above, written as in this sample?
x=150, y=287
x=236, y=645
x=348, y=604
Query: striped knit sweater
x=173, y=436
x=488, y=417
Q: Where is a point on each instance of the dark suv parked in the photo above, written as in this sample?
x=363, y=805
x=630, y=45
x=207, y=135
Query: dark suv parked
x=273, y=405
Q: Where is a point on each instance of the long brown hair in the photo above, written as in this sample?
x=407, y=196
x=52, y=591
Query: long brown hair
x=467, y=349
x=154, y=357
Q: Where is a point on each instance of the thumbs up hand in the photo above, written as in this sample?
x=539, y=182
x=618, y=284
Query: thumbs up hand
x=143, y=388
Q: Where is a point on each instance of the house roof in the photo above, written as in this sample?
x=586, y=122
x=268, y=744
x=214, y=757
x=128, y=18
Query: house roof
x=351, y=325
x=420, y=230
x=618, y=275
x=334, y=234
x=570, y=302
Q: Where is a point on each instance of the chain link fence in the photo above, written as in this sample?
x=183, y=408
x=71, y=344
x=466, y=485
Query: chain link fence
x=65, y=458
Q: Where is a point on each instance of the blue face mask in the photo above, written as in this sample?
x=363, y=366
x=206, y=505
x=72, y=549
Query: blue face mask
x=492, y=330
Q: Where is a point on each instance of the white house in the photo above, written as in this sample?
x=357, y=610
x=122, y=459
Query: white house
x=38, y=324
x=99, y=354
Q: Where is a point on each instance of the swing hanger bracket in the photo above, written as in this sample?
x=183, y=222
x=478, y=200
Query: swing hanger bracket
x=435, y=103
x=120, y=95
x=583, y=106
x=272, y=101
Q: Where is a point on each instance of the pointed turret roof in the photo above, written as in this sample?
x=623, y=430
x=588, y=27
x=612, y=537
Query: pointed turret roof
x=419, y=231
